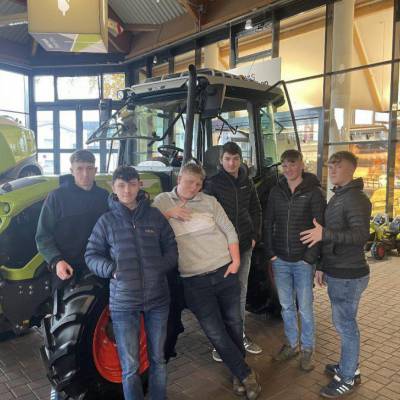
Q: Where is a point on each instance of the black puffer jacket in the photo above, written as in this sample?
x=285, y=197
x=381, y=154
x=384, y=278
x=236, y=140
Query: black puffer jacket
x=289, y=214
x=239, y=199
x=135, y=249
x=346, y=231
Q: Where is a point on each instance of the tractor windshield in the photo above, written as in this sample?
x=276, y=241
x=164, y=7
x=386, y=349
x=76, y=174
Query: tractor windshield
x=151, y=121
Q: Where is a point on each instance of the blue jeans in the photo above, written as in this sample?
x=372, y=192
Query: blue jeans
x=295, y=280
x=126, y=327
x=215, y=301
x=243, y=275
x=345, y=295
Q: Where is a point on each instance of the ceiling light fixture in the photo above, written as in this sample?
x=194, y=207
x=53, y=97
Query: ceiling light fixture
x=155, y=60
x=248, y=24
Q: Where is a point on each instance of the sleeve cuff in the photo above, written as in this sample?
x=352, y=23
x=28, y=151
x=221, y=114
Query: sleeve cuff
x=52, y=264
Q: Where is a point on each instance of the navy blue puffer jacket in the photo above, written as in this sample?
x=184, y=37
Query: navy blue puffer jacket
x=135, y=249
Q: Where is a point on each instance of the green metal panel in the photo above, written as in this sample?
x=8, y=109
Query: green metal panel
x=27, y=272
x=20, y=199
x=7, y=160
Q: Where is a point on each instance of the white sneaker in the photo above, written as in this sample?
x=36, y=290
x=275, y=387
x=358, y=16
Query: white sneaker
x=250, y=346
x=216, y=357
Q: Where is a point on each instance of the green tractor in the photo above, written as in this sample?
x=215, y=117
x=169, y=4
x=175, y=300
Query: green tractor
x=18, y=151
x=387, y=238
x=164, y=122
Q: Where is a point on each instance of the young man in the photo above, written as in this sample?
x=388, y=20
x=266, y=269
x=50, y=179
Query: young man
x=235, y=191
x=208, y=263
x=343, y=266
x=68, y=217
x=134, y=245
x=292, y=206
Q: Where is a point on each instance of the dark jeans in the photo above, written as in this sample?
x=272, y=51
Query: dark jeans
x=126, y=327
x=345, y=295
x=215, y=301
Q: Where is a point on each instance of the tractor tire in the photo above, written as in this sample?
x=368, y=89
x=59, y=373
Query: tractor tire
x=378, y=251
x=79, y=350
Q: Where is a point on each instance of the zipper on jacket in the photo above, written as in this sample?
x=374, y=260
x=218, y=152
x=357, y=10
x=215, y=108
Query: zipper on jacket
x=237, y=205
x=287, y=225
x=139, y=263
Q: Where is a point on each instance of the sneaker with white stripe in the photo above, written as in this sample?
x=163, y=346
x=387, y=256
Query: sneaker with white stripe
x=338, y=387
x=333, y=369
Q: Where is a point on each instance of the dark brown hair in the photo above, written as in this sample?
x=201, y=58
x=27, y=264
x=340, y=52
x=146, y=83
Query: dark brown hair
x=126, y=173
x=291, y=155
x=343, y=155
x=231, y=148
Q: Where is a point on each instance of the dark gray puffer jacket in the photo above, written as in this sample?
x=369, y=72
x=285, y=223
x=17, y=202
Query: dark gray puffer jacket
x=346, y=231
x=135, y=249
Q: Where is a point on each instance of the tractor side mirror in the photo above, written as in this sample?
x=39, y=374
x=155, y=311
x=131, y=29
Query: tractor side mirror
x=213, y=101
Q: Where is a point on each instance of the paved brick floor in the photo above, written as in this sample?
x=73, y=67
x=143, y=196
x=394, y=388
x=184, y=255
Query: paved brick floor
x=193, y=374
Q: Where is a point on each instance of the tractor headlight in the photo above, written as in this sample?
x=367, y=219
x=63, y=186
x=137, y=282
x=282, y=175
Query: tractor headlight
x=4, y=208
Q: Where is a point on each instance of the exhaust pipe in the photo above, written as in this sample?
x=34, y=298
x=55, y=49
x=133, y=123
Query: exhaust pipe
x=190, y=105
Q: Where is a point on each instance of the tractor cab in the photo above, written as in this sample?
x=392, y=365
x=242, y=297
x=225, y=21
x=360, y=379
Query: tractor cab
x=169, y=120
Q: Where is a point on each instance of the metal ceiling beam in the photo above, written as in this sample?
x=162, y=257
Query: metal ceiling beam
x=191, y=8
x=141, y=27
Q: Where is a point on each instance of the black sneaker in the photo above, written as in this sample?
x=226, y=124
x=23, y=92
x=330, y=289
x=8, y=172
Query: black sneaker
x=333, y=369
x=338, y=387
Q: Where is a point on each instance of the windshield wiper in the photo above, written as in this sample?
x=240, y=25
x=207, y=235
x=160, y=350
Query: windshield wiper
x=276, y=122
x=167, y=131
x=234, y=130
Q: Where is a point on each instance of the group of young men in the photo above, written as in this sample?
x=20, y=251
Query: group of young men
x=207, y=228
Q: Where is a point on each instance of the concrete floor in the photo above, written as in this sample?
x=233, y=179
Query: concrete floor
x=193, y=374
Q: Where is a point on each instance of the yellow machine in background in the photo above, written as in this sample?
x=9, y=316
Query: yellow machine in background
x=18, y=151
x=378, y=200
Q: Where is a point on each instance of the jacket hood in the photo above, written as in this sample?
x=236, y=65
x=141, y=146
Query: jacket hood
x=357, y=183
x=309, y=182
x=143, y=202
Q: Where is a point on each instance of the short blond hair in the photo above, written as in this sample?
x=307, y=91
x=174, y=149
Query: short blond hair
x=193, y=168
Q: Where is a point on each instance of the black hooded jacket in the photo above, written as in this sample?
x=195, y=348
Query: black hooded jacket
x=66, y=221
x=346, y=231
x=289, y=214
x=238, y=197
